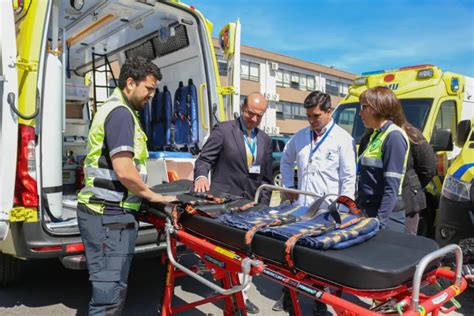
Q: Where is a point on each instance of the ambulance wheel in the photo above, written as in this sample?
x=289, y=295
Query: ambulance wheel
x=426, y=224
x=9, y=270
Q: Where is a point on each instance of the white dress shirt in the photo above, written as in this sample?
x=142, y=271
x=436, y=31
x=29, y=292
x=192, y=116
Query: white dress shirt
x=331, y=169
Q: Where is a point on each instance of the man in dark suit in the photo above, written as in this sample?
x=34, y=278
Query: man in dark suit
x=239, y=156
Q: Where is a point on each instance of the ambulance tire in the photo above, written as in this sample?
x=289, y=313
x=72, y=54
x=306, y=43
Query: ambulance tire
x=426, y=224
x=9, y=270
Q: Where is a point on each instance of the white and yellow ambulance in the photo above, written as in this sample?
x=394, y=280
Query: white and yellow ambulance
x=57, y=59
x=434, y=101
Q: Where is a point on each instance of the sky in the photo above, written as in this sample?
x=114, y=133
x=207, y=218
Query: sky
x=355, y=36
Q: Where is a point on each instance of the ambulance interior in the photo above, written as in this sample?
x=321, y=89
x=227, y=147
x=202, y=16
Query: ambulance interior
x=99, y=38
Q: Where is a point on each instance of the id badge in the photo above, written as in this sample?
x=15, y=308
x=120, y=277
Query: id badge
x=255, y=169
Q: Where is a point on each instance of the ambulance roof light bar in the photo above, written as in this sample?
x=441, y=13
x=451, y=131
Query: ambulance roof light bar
x=376, y=72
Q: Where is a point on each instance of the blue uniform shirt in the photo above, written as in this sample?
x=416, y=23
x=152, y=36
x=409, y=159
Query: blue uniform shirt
x=378, y=189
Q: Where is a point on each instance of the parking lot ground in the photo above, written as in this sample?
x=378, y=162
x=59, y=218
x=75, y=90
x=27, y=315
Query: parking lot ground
x=51, y=290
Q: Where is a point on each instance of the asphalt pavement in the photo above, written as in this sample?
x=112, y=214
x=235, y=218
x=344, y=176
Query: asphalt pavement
x=51, y=290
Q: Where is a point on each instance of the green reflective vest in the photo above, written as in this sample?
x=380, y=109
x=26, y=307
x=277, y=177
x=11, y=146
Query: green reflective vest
x=372, y=155
x=101, y=182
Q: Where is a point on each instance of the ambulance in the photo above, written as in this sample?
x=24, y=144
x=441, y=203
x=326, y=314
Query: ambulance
x=59, y=60
x=434, y=101
x=455, y=221
x=456, y=211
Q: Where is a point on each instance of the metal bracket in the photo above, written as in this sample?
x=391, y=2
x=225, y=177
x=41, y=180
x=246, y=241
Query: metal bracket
x=227, y=90
x=27, y=65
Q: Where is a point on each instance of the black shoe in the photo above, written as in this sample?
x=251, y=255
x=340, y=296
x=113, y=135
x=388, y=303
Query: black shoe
x=251, y=307
x=279, y=305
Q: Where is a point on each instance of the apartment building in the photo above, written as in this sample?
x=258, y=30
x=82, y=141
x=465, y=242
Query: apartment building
x=285, y=82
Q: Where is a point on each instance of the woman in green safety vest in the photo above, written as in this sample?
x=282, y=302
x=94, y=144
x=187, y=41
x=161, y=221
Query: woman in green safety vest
x=381, y=166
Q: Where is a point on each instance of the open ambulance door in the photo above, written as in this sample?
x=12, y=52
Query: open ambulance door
x=8, y=118
x=229, y=41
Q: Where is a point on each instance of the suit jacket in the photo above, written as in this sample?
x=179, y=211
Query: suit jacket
x=224, y=154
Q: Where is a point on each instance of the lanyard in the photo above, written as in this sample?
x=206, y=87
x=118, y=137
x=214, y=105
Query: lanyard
x=313, y=150
x=252, y=147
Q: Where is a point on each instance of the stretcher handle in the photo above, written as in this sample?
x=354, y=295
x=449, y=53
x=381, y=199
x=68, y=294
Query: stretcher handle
x=246, y=265
x=421, y=267
x=278, y=188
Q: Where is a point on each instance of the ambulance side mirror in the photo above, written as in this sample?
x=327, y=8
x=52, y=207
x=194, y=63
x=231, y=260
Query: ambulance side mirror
x=462, y=132
x=442, y=140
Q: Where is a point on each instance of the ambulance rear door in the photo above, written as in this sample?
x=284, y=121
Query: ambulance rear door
x=8, y=117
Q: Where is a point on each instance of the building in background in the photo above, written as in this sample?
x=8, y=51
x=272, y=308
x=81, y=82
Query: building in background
x=285, y=82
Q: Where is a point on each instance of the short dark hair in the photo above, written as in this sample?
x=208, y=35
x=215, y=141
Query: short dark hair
x=318, y=98
x=137, y=68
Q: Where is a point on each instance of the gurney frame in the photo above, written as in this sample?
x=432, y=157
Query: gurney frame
x=225, y=265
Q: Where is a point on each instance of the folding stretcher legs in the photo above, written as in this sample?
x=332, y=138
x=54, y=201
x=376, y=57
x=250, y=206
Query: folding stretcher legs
x=224, y=265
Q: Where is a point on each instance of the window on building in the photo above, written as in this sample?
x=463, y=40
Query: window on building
x=249, y=71
x=331, y=87
x=287, y=111
x=279, y=78
x=310, y=83
x=295, y=80
x=299, y=112
x=222, y=68
x=244, y=70
x=254, y=71
x=286, y=79
x=279, y=110
x=303, y=82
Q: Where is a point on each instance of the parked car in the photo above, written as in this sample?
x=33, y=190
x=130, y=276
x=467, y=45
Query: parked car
x=278, y=144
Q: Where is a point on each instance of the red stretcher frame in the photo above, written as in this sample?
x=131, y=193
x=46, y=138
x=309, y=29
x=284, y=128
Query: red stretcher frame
x=225, y=264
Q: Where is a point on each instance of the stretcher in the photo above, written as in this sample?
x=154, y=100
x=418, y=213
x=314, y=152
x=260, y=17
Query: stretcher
x=390, y=268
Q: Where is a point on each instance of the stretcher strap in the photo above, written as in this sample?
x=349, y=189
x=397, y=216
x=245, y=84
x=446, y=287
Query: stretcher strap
x=350, y=204
x=210, y=198
x=192, y=207
x=242, y=208
x=253, y=230
x=291, y=242
x=319, y=231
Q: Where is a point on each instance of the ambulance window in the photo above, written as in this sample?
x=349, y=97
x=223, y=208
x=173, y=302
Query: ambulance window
x=447, y=117
x=416, y=111
x=347, y=117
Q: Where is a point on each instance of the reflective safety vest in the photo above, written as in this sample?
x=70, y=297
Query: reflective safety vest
x=372, y=155
x=102, y=186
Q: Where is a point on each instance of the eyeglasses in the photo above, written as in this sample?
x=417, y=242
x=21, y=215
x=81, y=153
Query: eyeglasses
x=252, y=114
x=364, y=107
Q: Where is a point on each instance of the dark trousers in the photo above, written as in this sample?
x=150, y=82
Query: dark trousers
x=109, y=243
